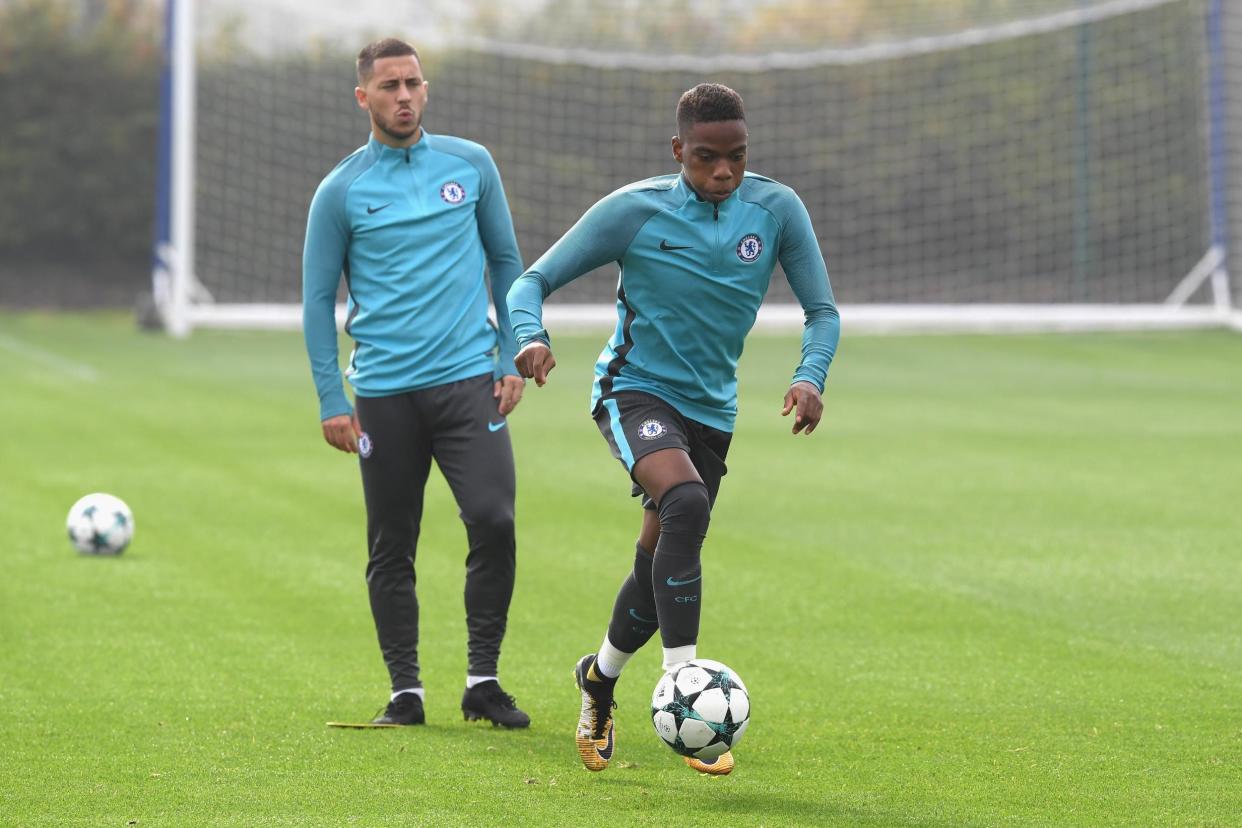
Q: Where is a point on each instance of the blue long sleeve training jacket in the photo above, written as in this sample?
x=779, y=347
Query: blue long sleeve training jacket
x=412, y=231
x=693, y=275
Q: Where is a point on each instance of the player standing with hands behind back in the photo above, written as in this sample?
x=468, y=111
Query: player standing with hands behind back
x=412, y=219
x=696, y=250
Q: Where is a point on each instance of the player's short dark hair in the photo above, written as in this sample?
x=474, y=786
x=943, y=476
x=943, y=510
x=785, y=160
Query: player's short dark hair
x=386, y=48
x=708, y=102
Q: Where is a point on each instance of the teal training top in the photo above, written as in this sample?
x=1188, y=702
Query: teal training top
x=411, y=230
x=693, y=275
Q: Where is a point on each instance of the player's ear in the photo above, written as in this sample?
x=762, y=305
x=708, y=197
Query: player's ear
x=360, y=95
x=677, y=148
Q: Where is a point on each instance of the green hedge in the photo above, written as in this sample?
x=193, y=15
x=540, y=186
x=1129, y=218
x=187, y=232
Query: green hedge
x=963, y=169
x=78, y=136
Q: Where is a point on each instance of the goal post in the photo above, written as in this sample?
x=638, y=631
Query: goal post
x=173, y=257
x=1062, y=168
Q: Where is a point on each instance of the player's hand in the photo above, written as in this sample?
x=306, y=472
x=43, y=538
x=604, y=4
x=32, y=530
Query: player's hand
x=535, y=361
x=810, y=406
x=342, y=432
x=508, y=389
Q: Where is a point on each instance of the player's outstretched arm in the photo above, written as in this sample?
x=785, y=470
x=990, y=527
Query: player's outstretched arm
x=600, y=236
x=535, y=361
x=805, y=399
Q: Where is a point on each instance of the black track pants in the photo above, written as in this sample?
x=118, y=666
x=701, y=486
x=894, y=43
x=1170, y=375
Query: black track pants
x=458, y=426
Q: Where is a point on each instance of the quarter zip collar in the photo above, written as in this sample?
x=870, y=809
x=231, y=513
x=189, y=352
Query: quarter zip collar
x=411, y=154
x=702, y=205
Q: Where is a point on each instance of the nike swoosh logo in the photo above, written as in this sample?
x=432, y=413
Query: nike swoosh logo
x=674, y=582
x=664, y=245
x=638, y=617
x=497, y=426
x=373, y=210
x=605, y=752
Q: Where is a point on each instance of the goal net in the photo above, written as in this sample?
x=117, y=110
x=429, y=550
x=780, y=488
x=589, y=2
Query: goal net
x=1045, y=163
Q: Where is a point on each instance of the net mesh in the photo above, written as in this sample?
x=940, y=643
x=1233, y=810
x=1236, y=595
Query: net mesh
x=1042, y=153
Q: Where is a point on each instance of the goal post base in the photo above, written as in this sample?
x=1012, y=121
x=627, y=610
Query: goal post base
x=869, y=318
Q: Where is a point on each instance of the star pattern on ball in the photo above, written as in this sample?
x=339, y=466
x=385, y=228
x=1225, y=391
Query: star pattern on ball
x=680, y=705
x=719, y=678
x=726, y=729
x=694, y=712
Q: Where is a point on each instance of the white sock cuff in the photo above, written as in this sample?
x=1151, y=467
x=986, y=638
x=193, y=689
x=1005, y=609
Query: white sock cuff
x=610, y=661
x=471, y=681
x=418, y=691
x=676, y=655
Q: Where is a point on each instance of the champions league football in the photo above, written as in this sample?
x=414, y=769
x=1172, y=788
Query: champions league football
x=700, y=709
x=100, y=524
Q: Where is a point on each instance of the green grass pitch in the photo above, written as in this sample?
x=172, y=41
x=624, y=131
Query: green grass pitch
x=1000, y=585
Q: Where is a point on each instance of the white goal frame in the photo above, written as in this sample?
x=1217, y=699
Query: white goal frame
x=183, y=304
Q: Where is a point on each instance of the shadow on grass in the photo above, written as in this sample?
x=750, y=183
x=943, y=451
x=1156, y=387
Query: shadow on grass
x=688, y=803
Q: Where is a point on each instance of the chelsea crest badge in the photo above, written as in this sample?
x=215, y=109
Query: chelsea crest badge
x=749, y=248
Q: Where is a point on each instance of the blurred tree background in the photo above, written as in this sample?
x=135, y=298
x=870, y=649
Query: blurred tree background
x=935, y=165
x=79, y=111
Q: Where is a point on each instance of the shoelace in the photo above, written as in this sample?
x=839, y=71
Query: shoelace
x=398, y=705
x=597, y=732
x=501, y=699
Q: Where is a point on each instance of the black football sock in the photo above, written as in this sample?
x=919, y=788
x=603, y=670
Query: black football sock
x=676, y=574
x=634, y=618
